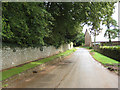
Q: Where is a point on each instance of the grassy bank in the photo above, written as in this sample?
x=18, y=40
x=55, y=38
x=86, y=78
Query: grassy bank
x=109, y=63
x=13, y=71
x=103, y=59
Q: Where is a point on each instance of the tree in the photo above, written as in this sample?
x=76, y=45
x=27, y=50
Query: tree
x=79, y=40
x=95, y=32
x=68, y=16
x=96, y=18
x=110, y=33
x=117, y=31
x=109, y=22
x=25, y=23
x=49, y=23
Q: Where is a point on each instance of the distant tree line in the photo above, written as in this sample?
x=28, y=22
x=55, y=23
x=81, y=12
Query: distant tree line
x=32, y=24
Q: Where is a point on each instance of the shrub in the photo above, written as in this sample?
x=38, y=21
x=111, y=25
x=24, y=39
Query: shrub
x=90, y=47
x=110, y=51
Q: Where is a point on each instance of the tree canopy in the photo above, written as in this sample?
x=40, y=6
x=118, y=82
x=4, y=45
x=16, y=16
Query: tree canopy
x=50, y=23
x=110, y=33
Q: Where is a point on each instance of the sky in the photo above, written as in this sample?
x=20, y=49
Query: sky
x=101, y=37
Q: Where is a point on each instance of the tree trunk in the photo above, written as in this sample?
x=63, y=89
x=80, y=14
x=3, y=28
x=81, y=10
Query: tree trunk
x=110, y=42
x=95, y=39
x=109, y=38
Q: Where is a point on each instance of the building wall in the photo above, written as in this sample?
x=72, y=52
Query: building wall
x=87, y=39
x=13, y=57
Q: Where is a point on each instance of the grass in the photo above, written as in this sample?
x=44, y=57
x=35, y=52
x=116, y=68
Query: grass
x=13, y=71
x=103, y=59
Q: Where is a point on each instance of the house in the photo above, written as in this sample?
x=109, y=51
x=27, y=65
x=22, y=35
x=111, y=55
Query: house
x=88, y=41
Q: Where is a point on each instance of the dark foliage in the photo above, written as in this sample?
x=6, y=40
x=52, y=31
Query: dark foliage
x=35, y=24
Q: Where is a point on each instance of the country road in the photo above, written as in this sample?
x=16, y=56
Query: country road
x=78, y=71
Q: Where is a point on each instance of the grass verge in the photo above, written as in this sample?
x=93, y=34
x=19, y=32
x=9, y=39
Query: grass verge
x=107, y=62
x=14, y=71
x=103, y=59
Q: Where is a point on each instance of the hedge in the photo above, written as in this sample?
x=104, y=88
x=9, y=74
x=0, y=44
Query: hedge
x=110, y=51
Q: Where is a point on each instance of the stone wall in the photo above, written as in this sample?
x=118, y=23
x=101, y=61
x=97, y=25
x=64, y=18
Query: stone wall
x=87, y=39
x=13, y=57
x=11, y=81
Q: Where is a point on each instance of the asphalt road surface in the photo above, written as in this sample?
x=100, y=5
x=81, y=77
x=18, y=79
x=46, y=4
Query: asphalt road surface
x=80, y=70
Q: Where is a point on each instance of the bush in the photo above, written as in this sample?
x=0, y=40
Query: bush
x=110, y=51
x=90, y=47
